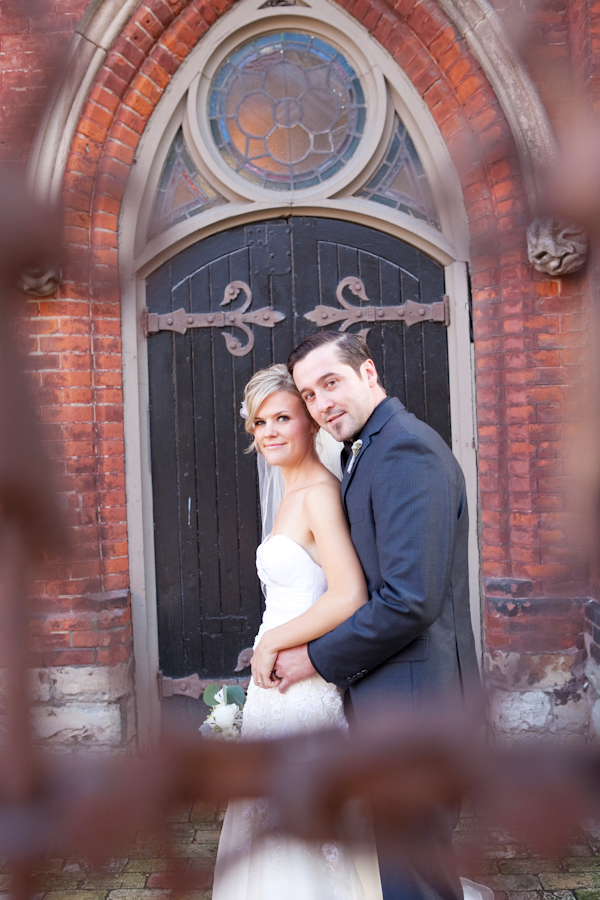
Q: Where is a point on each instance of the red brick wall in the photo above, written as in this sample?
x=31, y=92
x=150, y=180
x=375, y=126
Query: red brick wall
x=33, y=38
x=530, y=331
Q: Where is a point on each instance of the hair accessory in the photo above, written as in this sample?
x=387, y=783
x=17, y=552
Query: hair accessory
x=243, y=410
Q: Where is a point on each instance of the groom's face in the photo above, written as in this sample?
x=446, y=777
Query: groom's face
x=339, y=399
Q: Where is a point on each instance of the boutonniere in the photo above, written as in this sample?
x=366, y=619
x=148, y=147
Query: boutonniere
x=354, y=449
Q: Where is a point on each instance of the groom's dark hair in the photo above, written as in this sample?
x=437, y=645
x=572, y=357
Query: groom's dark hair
x=352, y=349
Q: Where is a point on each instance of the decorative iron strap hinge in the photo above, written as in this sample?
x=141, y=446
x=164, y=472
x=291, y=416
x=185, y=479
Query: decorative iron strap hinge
x=180, y=320
x=410, y=312
x=193, y=686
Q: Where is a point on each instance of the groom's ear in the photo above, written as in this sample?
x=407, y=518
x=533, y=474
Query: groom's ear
x=370, y=372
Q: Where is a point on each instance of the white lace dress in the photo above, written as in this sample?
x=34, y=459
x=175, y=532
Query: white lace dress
x=280, y=867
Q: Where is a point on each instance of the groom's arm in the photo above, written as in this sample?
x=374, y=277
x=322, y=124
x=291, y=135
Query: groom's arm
x=415, y=525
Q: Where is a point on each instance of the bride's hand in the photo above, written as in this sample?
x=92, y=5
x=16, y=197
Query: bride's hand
x=263, y=663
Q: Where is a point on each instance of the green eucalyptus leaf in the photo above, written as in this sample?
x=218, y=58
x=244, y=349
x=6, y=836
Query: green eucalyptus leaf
x=235, y=694
x=209, y=694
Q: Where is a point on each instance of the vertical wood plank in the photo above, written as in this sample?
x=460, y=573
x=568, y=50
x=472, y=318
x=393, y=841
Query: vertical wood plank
x=163, y=442
x=206, y=472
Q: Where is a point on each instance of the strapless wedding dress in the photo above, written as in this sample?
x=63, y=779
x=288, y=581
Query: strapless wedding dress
x=249, y=865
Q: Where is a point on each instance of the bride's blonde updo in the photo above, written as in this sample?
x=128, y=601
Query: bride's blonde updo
x=262, y=384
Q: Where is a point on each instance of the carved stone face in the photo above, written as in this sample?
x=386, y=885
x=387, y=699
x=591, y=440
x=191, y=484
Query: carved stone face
x=555, y=247
x=39, y=282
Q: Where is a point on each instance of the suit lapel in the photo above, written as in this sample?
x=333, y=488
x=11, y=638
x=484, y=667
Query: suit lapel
x=380, y=415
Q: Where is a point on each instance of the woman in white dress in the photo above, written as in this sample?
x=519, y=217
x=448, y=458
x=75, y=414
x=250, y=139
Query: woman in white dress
x=313, y=582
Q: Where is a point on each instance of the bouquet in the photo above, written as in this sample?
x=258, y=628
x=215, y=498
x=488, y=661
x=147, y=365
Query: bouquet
x=224, y=720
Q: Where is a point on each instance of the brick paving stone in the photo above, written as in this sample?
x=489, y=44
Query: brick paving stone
x=582, y=865
x=75, y=895
x=570, y=880
x=514, y=882
x=207, y=837
x=5, y=895
x=111, y=882
x=503, y=851
x=62, y=882
x=558, y=895
x=138, y=895
x=181, y=831
x=181, y=851
x=146, y=851
x=150, y=865
x=532, y=866
x=200, y=865
x=196, y=895
x=205, y=814
x=181, y=813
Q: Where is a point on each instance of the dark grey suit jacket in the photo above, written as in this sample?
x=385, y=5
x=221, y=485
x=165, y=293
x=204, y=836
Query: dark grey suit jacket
x=406, y=503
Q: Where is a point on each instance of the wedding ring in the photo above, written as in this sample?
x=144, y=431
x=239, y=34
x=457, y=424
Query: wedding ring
x=260, y=682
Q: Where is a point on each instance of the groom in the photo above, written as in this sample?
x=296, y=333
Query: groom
x=404, y=496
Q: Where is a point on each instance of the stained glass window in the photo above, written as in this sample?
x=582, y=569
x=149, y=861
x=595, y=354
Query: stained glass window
x=287, y=111
x=400, y=181
x=182, y=191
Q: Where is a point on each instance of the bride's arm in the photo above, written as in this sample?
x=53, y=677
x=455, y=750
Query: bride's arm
x=346, y=586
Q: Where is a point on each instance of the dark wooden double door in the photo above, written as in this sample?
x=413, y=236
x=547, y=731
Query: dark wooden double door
x=205, y=491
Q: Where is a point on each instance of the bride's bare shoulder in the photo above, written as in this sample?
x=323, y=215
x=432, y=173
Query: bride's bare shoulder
x=323, y=491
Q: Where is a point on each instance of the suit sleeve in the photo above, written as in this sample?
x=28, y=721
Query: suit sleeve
x=415, y=524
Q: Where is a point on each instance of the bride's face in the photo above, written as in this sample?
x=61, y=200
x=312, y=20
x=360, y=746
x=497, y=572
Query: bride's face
x=283, y=429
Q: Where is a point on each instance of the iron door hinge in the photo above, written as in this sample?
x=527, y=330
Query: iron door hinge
x=410, y=312
x=180, y=320
x=193, y=686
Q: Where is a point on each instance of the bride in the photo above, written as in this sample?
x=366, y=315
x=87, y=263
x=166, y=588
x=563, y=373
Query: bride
x=314, y=582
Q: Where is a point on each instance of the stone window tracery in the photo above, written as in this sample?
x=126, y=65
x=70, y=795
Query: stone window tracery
x=400, y=181
x=286, y=111
x=182, y=191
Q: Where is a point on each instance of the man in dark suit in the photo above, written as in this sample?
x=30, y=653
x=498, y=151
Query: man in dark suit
x=405, y=499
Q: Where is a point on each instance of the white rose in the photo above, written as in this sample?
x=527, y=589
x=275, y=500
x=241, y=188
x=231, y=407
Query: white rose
x=224, y=716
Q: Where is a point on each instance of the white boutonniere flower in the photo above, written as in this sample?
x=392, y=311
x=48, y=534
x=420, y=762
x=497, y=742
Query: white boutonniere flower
x=354, y=449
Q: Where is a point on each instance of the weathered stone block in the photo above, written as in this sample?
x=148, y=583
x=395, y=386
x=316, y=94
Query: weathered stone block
x=572, y=715
x=519, y=711
x=543, y=671
x=78, y=724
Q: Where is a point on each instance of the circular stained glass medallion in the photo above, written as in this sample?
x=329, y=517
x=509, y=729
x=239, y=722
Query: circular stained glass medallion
x=286, y=111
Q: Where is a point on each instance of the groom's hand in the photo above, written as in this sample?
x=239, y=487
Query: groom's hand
x=293, y=665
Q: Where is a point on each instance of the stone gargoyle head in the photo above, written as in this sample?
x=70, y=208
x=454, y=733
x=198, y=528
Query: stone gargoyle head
x=556, y=247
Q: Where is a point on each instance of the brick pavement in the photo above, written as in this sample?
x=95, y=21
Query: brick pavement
x=512, y=870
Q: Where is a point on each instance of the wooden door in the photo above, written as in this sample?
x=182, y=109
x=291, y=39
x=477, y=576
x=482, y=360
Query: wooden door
x=205, y=492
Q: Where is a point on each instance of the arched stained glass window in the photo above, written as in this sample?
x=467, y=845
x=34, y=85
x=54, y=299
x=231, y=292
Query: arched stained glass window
x=182, y=191
x=400, y=181
x=286, y=111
